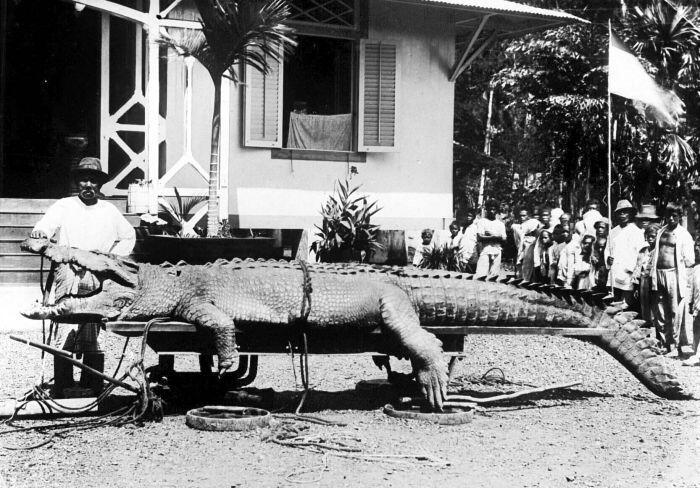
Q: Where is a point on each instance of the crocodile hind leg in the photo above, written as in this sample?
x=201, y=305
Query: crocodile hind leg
x=211, y=317
x=423, y=348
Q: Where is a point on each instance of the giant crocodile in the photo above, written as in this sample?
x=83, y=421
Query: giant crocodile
x=247, y=293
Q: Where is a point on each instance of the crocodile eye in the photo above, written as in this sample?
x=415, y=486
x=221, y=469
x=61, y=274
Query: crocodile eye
x=122, y=302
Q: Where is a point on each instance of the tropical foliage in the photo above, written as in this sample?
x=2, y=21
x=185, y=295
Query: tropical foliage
x=442, y=257
x=234, y=32
x=177, y=213
x=346, y=233
x=550, y=111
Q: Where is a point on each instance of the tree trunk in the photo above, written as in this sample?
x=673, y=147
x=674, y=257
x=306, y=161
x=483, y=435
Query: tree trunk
x=213, y=203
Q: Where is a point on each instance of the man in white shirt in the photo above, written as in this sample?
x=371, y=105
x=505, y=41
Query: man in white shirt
x=624, y=243
x=87, y=223
x=491, y=234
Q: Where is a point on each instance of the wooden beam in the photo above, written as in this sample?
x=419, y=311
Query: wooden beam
x=153, y=107
x=460, y=69
x=556, y=331
x=468, y=49
x=113, y=8
x=3, y=65
x=136, y=328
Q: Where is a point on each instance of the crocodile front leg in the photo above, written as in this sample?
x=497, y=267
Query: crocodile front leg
x=211, y=317
x=422, y=347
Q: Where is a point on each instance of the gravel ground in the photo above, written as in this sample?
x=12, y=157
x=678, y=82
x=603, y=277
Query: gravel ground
x=608, y=432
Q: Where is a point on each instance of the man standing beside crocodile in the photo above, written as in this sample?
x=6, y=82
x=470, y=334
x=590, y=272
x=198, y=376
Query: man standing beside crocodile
x=673, y=255
x=85, y=222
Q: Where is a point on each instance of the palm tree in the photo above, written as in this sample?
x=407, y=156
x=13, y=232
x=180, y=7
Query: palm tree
x=234, y=32
x=668, y=37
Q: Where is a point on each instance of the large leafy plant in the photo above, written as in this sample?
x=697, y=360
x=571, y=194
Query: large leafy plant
x=443, y=257
x=346, y=233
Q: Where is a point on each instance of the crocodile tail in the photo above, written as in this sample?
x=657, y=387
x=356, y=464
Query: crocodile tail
x=460, y=299
x=640, y=354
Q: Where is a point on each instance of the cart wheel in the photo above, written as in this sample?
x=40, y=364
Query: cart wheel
x=447, y=417
x=220, y=418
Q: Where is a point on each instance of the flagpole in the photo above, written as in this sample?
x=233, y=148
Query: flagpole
x=609, y=131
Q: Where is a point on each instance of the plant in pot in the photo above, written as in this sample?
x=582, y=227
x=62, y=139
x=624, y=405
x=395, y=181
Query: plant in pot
x=234, y=32
x=346, y=233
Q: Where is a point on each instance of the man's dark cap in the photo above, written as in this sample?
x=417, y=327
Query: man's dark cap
x=90, y=166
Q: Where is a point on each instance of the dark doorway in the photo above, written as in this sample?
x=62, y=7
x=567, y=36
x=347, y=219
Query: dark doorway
x=51, y=96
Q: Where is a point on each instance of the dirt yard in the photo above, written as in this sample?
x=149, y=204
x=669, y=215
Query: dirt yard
x=608, y=432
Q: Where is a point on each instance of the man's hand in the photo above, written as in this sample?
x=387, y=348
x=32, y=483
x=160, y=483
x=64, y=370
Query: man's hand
x=38, y=234
x=610, y=260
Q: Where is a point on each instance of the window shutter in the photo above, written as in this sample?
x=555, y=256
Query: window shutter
x=263, y=106
x=378, y=95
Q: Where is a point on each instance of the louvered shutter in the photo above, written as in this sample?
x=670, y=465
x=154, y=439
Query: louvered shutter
x=263, y=106
x=378, y=90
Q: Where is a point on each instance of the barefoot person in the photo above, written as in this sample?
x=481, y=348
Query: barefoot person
x=673, y=255
x=87, y=223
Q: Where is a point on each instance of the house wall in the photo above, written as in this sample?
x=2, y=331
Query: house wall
x=413, y=186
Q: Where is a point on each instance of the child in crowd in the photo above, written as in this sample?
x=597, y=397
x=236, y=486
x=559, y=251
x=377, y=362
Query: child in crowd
x=641, y=276
x=427, y=237
x=581, y=272
x=598, y=262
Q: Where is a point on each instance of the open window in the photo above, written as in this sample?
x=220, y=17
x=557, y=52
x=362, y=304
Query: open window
x=333, y=98
x=317, y=109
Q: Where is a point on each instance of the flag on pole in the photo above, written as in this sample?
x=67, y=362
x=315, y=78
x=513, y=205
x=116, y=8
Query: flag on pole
x=628, y=78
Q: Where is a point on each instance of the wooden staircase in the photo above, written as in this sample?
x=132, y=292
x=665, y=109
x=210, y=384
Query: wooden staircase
x=17, y=218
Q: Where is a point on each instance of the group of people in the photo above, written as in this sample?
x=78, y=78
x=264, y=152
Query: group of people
x=647, y=261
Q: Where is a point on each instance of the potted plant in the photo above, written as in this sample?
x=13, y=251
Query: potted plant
x=175, y=237
x=346, y=233
x=234, y=32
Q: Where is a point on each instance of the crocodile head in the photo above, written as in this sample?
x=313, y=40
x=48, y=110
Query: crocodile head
x=115, y=284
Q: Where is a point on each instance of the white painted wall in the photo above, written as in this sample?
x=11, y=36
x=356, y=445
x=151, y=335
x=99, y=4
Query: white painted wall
x=413, y=185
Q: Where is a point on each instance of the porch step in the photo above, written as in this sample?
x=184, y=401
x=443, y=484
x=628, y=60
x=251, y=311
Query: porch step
x=9, y=245
x=21, y=260
x=19, y=232
x=12, y=276
x=19, y=218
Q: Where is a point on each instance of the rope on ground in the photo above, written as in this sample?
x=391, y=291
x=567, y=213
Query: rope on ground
x=134, y=413
x=340, y=444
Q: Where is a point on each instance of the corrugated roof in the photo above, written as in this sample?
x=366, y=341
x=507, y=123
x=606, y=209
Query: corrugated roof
x=505, y=6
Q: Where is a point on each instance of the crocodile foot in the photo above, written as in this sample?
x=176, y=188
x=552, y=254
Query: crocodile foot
x=433, y=381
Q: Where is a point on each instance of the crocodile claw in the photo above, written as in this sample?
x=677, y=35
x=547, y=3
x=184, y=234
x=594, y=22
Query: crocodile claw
x=433, y=381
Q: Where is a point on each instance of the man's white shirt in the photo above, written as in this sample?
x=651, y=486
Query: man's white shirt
x=90, y=227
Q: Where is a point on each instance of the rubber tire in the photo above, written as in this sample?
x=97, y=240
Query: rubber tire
x=445, y=418
x=225, y=418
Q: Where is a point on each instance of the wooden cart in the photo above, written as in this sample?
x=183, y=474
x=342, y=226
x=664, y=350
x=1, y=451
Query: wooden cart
x=169, y=339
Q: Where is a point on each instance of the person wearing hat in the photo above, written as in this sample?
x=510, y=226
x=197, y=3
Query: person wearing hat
x=673, y=256
x=85, y=222
x=647, y=216
x=624, y=243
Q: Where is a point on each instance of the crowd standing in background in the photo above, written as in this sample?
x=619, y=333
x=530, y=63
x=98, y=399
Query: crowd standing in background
x=650, y=263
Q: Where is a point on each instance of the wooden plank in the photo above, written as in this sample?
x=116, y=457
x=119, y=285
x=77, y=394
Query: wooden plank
x=561, y=331
x=136, y=328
